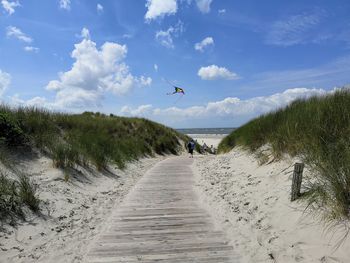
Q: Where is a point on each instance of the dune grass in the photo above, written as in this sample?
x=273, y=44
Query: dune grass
x=88, y=138
x=15, y=195
x=318, y=131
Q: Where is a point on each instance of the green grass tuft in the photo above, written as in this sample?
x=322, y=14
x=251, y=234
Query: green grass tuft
x=14, y=195
x=318, y=130
x=27, y=193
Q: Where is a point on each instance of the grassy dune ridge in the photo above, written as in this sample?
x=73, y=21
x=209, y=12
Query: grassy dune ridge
x=88, y=139
x=318, y=131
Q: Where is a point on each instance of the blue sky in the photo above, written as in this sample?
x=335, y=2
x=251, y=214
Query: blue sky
x=235, y=59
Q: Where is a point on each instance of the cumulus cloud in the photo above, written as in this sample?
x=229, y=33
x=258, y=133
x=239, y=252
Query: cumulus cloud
x=94, y=72
x=64, y=4
x=139, y=111
x=233, y=106
x=36, y=101
x=99, y=8
x=214, y=72
x=10, y=6
x=204, y=5
x=293, y=30
x=230, y=108
x=165, y=38
x=12, y=31
x=5, y=80
x=204, y=43
x=160, y=8
x=31, y=49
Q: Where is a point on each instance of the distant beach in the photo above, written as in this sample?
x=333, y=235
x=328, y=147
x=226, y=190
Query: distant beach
x=217, y=131
x=209, y=136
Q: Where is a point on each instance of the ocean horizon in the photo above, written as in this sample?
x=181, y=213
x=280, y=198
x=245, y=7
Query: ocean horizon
x=206, y=130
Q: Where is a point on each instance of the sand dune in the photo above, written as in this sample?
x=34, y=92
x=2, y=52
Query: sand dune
x=73, y=212
x=252, y=203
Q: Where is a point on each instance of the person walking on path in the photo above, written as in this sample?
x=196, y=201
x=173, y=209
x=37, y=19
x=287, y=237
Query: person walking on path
x=191, y=145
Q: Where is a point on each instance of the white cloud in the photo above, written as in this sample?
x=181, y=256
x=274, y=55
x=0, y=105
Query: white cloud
x=12, y=31
x=222, y=11
x=214, y=72
x=204, y=43
x=77, y=97
x=204, y=5
x=144, y=81
x=10, y=6
x=85, y=33
x=233, y=106
x=139, y=111
x=228, y=109
x=95, y=72
x=294, y=30
x=160, y=8
x=65, y=4
x=165, y=38
x=37, y=101
x=155, y=66
x=5, y=80
x=99, y=8
x=31, y=49
x=40, y=102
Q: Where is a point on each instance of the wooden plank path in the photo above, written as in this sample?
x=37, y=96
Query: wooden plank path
x=161, y=220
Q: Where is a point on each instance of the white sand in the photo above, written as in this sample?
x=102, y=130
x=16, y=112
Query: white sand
x=208, y=139
x=250, y=202
x=74, y=212
x=253, y=205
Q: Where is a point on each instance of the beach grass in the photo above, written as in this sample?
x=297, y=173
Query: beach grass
x=88, y=138
x=318, y=131
x=15, y=195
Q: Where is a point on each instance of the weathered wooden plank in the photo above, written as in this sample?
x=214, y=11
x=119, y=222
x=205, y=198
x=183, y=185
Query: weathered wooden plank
x=152, y=240
x=161, y=220
x=210, y=257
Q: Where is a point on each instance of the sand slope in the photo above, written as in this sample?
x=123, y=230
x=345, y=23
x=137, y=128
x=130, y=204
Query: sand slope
x=252, y=203
x=73, y=212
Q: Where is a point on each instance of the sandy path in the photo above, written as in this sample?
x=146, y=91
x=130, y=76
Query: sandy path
x=162, y=220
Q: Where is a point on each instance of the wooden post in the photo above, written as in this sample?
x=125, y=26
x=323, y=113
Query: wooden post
x=296, y=183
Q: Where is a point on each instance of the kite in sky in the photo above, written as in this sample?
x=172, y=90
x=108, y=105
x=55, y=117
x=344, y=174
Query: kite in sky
x=177, y=90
